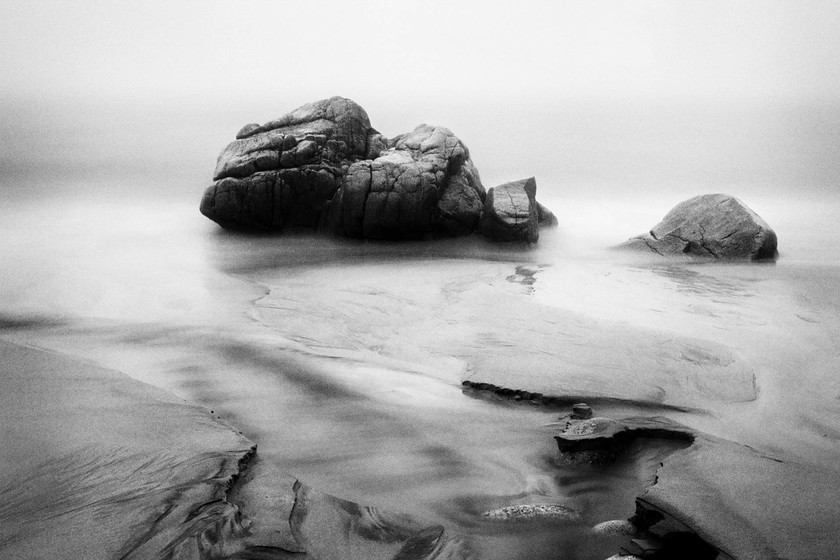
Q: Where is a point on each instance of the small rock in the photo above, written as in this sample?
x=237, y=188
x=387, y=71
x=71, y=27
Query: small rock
x=581, y=411
x=510, y=212
x=615, y=527
x=592, y=428
x=530, y=512
x=602, y=438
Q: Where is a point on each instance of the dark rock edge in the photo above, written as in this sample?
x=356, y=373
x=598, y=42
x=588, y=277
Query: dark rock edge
x=646, y=514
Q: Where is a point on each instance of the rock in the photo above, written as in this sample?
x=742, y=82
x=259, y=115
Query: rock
x=423, y=184
x=323, y=166
x=511, y=212
x=546, y=217
x=711, y=490
x=615, y=527
x=581, y=411
x=599, y=440
x=531, y=512
x=712, y=225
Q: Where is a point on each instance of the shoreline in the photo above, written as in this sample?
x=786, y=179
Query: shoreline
x=686, y=478
x=682, y=488
x=712, y=489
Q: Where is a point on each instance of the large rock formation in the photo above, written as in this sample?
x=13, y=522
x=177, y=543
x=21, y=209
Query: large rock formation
x=323, y=166
x=711, y=225
x=285, y=172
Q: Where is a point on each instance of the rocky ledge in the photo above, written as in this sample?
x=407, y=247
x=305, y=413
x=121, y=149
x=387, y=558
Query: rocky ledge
x=711, y=225
x=324, y=167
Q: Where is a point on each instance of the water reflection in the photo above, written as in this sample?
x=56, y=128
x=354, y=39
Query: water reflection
x=688, y=279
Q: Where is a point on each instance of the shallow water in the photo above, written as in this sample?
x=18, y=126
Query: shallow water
x=343, y=360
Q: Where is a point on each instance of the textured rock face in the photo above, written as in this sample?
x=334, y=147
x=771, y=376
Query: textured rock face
x=711, y=225
x=285, y=172
x=324, y=166
x=511, y=212
x=423, y=183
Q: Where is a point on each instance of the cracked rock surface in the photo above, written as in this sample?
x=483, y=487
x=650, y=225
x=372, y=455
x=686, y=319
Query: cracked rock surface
x=324, y=167
x=511, y=212
x=715, y=226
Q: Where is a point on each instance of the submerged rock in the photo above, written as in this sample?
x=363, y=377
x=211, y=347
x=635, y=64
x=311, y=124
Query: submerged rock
x=532, y=512
x=615, y=527
x=581, y=411
x=323, y=166
x=711, y=225
x=285, y=172
x=600, y=440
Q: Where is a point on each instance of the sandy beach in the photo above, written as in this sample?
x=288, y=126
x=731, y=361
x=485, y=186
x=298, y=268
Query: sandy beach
x=345, y=363
x=356, y=281
x=98, y=465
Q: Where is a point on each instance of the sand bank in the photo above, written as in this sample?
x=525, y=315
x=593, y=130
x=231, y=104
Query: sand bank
x=97, y=465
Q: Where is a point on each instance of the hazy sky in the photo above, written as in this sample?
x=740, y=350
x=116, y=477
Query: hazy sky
x=310, y=49
x=637, y=94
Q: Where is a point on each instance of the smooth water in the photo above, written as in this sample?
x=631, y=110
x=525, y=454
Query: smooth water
x=343, y=359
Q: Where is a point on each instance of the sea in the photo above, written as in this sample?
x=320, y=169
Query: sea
x=344, y=359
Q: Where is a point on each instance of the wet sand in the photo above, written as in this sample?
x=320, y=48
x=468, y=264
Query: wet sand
x=344, y=362
x=97, y=465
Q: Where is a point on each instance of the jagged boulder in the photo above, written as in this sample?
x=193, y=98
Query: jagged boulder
x=324, y=166
x=711, y=225
x=285, y=172
x=511, y=212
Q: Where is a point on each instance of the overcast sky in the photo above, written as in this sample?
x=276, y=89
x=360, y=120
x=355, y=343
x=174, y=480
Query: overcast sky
x=310, y=49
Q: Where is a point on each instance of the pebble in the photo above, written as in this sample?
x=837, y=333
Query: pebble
x=528, y=512
x=581, y=411
x=615, y=527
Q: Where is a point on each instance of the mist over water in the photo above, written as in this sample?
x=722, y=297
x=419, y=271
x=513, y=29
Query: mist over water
x=343, y=359
x=595, y=148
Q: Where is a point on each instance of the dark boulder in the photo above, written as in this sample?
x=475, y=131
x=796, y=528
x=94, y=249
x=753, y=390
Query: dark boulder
x=285, y=172
x=324, y=167
x=712, y=225
x=424, y=183
x=511, y=212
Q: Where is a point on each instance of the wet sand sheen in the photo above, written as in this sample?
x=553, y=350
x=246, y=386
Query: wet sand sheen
x=96, y=465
